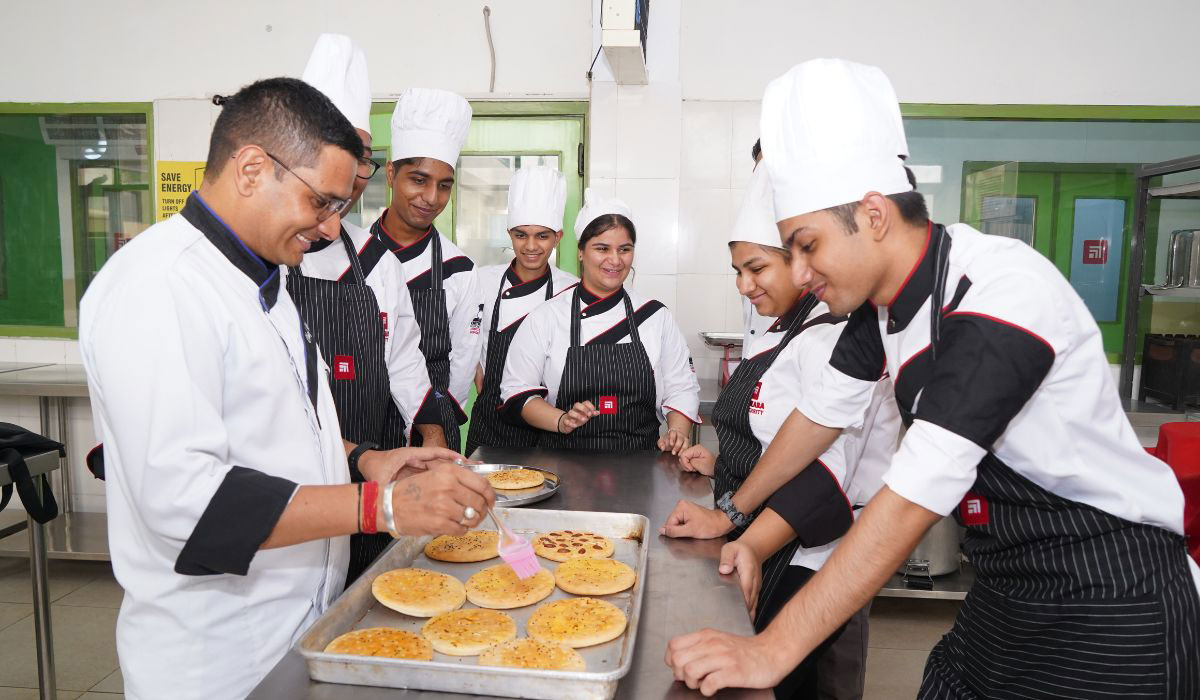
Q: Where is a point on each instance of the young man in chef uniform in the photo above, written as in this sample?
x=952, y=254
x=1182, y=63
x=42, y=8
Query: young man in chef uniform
x=1084, y=588
x=351, y=293
x=227, y=483
x=429, y=128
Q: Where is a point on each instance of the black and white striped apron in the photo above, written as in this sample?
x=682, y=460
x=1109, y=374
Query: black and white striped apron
x=619, y=380
x=429, y=308
x=1068, y=602
x=740, y=450
x=344, y=317
x=486, y=426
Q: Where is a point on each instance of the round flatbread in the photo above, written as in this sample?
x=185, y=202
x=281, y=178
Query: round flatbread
x=562, y=545
x=382, y=641
x=469, y=632
x=533, y=653
x=477, y=545
x=594, y=576
x=418, y=592
x=576, y=622
x=516, y=479
x=498, y=587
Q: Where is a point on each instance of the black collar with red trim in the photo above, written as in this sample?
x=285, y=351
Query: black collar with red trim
x=594, y=305
x=519, y=288
x=914, y=290
x=408, y=252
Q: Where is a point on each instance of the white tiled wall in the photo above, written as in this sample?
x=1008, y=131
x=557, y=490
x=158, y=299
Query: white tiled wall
x=681, y=166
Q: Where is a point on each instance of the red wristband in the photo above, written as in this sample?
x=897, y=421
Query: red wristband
x=370, y=503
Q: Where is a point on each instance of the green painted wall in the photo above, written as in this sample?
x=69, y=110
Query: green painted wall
x=32, y=256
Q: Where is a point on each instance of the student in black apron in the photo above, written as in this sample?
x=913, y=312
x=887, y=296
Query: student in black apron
x=536, y=199
x=780, y=546
x=1083, y=584
x=343, y=312
x=597, y=368
x=429, y=128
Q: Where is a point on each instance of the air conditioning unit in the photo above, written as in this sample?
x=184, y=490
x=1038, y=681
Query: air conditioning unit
x=623, y=37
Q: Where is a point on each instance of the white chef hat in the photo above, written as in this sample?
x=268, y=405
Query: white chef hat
x=338, y=68
x=756, y=221
x=430, y=123
x=831, y=132
x=596, y=205
x=536, y=197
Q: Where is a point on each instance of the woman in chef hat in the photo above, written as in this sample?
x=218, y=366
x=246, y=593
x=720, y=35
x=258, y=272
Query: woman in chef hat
x=603, y=367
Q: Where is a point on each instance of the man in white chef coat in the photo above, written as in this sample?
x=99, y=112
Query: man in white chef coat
x=1083, y=586
x=228, y=504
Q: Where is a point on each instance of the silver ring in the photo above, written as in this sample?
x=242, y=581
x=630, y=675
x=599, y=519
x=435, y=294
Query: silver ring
x=469, y=513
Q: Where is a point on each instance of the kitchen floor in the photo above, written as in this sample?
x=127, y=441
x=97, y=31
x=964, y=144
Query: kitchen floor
x=85, y=598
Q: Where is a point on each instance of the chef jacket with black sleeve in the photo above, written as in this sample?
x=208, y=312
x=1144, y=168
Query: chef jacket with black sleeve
x=1020, y=375
x=212, y=409
x=852, y=467
x=539, y=351
x=517, y=298
x=462, y=302
x=408, y=378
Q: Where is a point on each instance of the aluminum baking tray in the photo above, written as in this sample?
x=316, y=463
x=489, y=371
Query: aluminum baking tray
x=508, y=498
x=357, y=608
x=721, y=340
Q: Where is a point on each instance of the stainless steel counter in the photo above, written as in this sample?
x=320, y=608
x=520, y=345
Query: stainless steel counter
x=684, y=592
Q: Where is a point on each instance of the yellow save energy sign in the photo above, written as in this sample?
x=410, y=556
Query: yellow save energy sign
x=176, y=180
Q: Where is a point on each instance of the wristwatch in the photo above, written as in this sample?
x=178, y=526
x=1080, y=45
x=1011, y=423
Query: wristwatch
x=737, y=517
x=357, y=452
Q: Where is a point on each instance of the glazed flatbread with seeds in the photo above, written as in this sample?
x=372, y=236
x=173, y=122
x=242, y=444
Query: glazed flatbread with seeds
x=469, y=632
x=562, y=545
x=477, y=545
x=418, y=592
x=516, y=479
x=382, y=641
x=533, y=653
x=576, y=622
x=594, y=576
x=498, y=587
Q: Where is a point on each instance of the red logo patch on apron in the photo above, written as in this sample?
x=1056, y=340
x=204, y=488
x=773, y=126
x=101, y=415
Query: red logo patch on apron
x=383, y=317
x=973, y=509
x=608, y=405
x=757, y=389
x=343, y=367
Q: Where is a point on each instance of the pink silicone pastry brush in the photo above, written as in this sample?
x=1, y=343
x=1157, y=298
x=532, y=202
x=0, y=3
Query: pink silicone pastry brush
x=516, y=550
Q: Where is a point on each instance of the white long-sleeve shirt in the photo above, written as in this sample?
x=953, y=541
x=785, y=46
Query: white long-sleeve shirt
x=409, y=380
x=202, y=395
x=517, y=298
x=538, y=352
x=462, y=301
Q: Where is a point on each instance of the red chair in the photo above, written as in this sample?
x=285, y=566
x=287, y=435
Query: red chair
x=1179, y=446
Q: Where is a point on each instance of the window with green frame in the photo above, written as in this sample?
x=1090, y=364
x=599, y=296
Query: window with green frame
x=76, y=187
x=1061, y=179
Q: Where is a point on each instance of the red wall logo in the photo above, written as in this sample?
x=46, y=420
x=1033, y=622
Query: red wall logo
x=383, y=317
x=608, y=405
x=974, y=509
x=1095, y=252
x=343, y=367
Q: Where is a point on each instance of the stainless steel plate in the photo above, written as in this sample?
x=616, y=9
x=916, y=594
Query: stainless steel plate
x=508, y=498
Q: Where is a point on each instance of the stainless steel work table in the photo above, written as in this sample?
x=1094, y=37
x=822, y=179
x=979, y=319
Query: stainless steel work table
x=72, y=535
x=40, y=466
x=684, y=592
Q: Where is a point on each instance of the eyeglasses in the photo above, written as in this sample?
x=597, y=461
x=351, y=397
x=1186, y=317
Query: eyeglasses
x=368, y=166
x=326, y=206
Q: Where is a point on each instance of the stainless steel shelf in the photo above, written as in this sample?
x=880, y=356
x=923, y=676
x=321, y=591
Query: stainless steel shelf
x=79, y=536
x=952, y=586
x=1189, y=190
x=1172, y=292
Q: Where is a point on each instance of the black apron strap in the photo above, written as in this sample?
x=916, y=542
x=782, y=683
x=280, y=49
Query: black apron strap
x=42, y=508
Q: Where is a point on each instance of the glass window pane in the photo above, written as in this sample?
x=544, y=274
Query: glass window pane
x=1096, y=251
x=75, y=189
x=1011, y=217
x=481, y=214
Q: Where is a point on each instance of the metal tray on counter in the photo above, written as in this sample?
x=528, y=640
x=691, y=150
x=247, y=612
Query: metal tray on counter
x=508, y=498
x=714, y=339
x=357, y=608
